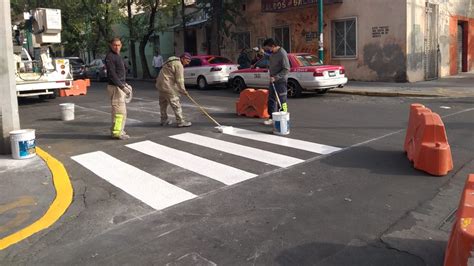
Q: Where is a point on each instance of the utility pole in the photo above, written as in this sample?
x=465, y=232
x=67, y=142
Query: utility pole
x=132, y=39
x=183, y=15
x=8, y=99
x=321, y=24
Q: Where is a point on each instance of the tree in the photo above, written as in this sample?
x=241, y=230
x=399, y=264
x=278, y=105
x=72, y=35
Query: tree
x=153, y=18
x=222, y=15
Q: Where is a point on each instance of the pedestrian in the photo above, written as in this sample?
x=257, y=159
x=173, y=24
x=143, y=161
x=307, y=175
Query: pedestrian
x=157, y=62
x=117, y=88
x=243, y=60
x=127, y=64
x=170, y=84
x=259, y=53
x=279, y=66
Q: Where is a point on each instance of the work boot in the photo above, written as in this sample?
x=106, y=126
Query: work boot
x=122, y=137
x=184, y=124
x=166, y=122
x=268, y=122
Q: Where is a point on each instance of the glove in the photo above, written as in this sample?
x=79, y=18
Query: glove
x=128, y=92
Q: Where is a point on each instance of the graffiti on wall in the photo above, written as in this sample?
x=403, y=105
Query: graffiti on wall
x=387, y=60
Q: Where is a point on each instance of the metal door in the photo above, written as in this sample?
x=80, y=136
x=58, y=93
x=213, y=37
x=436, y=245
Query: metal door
x=431, y=41
x=460, y=47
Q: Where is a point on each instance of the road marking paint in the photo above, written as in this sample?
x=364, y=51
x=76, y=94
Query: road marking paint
x=149, y=189
x=239, y=150
x=58, y=207
x=214, y=170
x=129, y=120
x=282, y=141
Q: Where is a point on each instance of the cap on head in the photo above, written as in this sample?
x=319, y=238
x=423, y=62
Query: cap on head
x=186, y=56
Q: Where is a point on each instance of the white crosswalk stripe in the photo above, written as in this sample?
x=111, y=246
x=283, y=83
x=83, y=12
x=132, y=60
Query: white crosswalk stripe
x=239, y=150
x=150, y=189
x=217, y=171
x=283, y=141
x=159, y=194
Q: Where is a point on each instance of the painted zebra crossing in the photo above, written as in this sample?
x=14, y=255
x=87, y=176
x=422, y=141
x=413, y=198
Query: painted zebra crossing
x=160, y=194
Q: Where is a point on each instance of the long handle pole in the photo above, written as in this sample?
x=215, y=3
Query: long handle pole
x=277, y=96
x=203, y=110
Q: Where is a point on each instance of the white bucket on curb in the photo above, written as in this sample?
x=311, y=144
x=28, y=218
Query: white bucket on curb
x=67, y=111
x=23, y=143
x=281, y=123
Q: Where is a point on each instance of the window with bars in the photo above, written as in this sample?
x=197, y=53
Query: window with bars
x=242, y=40
x=344, y=38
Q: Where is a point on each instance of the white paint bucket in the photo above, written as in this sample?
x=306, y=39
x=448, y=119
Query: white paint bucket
x=67, y=111
x=281, y=123
x=23, y=143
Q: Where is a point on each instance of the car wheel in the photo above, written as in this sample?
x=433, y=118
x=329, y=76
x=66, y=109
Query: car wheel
x=54, y=95
x=294, y=89
x=238, y=85
x=202, y=83
x=322, y=91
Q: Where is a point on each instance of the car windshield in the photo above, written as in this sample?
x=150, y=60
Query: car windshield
x=76, y=61
x=218, y=60
x=308, y=60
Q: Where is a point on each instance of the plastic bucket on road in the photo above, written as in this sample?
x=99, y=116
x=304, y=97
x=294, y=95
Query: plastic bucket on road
x=23, y=143
x=281, y=123
x=67, y=111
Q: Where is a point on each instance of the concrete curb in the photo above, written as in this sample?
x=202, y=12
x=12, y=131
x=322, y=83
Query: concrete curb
x=64, y=195
x=386, y=93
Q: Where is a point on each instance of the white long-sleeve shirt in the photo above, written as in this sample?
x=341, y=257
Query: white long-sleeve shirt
x=157, y=61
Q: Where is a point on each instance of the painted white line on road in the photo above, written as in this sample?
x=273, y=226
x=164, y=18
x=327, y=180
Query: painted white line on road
x=282, y=141
x=129, y=120
x=214, y=170
x=239, y=150
x=183, y=104
x=150, y=189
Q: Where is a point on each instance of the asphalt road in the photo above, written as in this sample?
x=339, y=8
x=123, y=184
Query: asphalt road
x=361, y=205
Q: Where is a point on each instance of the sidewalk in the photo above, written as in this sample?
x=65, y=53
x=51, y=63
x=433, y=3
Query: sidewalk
x=36, y=192
x=27, y=191
x=454, y=86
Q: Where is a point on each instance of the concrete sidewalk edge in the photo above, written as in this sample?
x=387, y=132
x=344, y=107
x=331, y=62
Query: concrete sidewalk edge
x=62, y=201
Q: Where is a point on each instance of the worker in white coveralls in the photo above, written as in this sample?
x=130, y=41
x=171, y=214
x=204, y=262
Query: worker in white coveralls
x=170, y=84
x=119, y=91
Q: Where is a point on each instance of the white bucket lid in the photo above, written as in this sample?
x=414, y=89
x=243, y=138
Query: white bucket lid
x=21, y=131
x=66, y=105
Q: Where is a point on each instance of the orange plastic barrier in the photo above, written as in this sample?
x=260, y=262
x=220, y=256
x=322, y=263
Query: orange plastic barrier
x=461, y=240
x=426, y=142
x=253, y=103
x=79, y=87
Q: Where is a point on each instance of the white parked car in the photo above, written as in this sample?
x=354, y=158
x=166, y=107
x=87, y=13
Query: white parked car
x=306, y=74
x=205, y=70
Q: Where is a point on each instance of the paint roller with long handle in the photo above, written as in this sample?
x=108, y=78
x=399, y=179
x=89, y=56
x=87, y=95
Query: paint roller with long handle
x=220, y=128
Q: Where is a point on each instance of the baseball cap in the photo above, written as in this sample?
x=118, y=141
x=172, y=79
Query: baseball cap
x=186, y=55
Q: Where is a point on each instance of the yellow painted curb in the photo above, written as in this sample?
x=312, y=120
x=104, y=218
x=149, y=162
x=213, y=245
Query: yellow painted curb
x=58, y=207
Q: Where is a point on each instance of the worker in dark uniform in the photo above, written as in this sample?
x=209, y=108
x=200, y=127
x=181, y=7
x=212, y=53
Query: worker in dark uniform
x=117, y=88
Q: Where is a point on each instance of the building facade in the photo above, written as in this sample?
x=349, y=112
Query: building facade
x=398, y=41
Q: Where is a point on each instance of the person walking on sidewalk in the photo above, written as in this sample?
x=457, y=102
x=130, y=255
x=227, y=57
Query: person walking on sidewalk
x=279, y=68
x=170, y=84
x=117, y=88
x=157, y=62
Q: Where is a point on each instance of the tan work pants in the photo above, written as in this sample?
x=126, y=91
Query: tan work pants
x=119, y=110
x=173, y=101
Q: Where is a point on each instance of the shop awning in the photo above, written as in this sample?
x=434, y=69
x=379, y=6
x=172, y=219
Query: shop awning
x=284, y=5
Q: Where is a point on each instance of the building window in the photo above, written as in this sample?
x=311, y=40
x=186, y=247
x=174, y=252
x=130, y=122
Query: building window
x=282, y=37
x=344, y=38
x=242, y=39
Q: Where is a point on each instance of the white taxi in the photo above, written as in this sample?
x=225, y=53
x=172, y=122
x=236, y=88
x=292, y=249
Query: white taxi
x=205, y=70
x=306, y=74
